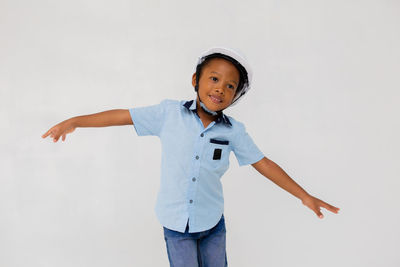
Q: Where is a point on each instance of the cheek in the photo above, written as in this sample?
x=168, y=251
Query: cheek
x=206, y=86
x=231, y=93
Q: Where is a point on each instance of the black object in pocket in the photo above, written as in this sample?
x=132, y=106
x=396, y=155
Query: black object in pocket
x=220, y=142
x=217, y=153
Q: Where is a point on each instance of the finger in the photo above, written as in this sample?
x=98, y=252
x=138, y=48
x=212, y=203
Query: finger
x=319, y=214
x=333, y=209
x=63, y=137
x=330, y=207
x=46, y=134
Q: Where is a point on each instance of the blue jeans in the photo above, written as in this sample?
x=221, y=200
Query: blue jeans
x=201, y=249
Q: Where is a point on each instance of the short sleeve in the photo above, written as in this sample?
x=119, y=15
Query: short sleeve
x=246, y=151
x=149, y=120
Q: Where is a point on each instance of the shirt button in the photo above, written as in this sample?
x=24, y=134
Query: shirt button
x=202, y=135
x=191, y=201
x=193, y=179
x=197, y=157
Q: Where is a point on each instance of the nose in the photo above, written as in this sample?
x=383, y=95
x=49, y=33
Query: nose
x=219, y=90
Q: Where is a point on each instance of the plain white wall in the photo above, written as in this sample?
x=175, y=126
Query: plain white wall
x=324, y=106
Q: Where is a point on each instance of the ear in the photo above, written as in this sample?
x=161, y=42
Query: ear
x=194, y=79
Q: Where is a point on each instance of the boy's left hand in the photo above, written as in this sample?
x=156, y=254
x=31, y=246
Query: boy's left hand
x=315, y=205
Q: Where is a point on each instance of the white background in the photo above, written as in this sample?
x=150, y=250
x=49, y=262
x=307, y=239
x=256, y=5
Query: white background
x=324, y=106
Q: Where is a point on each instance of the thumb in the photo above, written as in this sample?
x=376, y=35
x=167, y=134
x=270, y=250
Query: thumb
x=319, y=214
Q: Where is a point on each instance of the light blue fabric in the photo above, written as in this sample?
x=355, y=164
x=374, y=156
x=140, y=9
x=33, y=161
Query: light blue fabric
x=190, y=186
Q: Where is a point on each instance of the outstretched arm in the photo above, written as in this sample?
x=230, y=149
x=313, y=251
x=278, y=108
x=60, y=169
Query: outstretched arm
x=276, y=174
x=102, y=119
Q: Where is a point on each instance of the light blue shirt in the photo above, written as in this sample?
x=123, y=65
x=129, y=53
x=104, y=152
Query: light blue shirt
x=193, y=161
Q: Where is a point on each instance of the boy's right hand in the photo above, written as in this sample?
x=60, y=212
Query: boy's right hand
x=61, y=129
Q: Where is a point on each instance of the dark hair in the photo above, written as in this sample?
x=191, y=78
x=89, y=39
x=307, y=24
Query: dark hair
x=243, y=78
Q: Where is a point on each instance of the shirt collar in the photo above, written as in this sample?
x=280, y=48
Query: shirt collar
x=191, y=105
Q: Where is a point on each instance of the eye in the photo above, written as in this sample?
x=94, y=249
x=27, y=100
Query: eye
x=214, y=78
x=231, y=86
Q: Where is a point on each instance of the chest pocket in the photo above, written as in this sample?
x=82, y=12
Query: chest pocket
x=218, y=153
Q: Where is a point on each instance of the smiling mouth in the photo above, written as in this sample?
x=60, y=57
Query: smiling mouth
x=215, y=100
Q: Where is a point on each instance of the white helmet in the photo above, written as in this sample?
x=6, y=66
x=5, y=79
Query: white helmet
x=240, y=58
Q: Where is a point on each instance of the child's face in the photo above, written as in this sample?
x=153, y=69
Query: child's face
x=218, y=83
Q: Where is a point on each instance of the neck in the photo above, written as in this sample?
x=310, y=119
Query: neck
x=202, y=113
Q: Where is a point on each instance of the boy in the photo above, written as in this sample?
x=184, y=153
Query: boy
x=196, y=138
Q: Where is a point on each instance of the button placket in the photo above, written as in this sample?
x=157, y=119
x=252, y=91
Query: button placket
x=196, y=168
